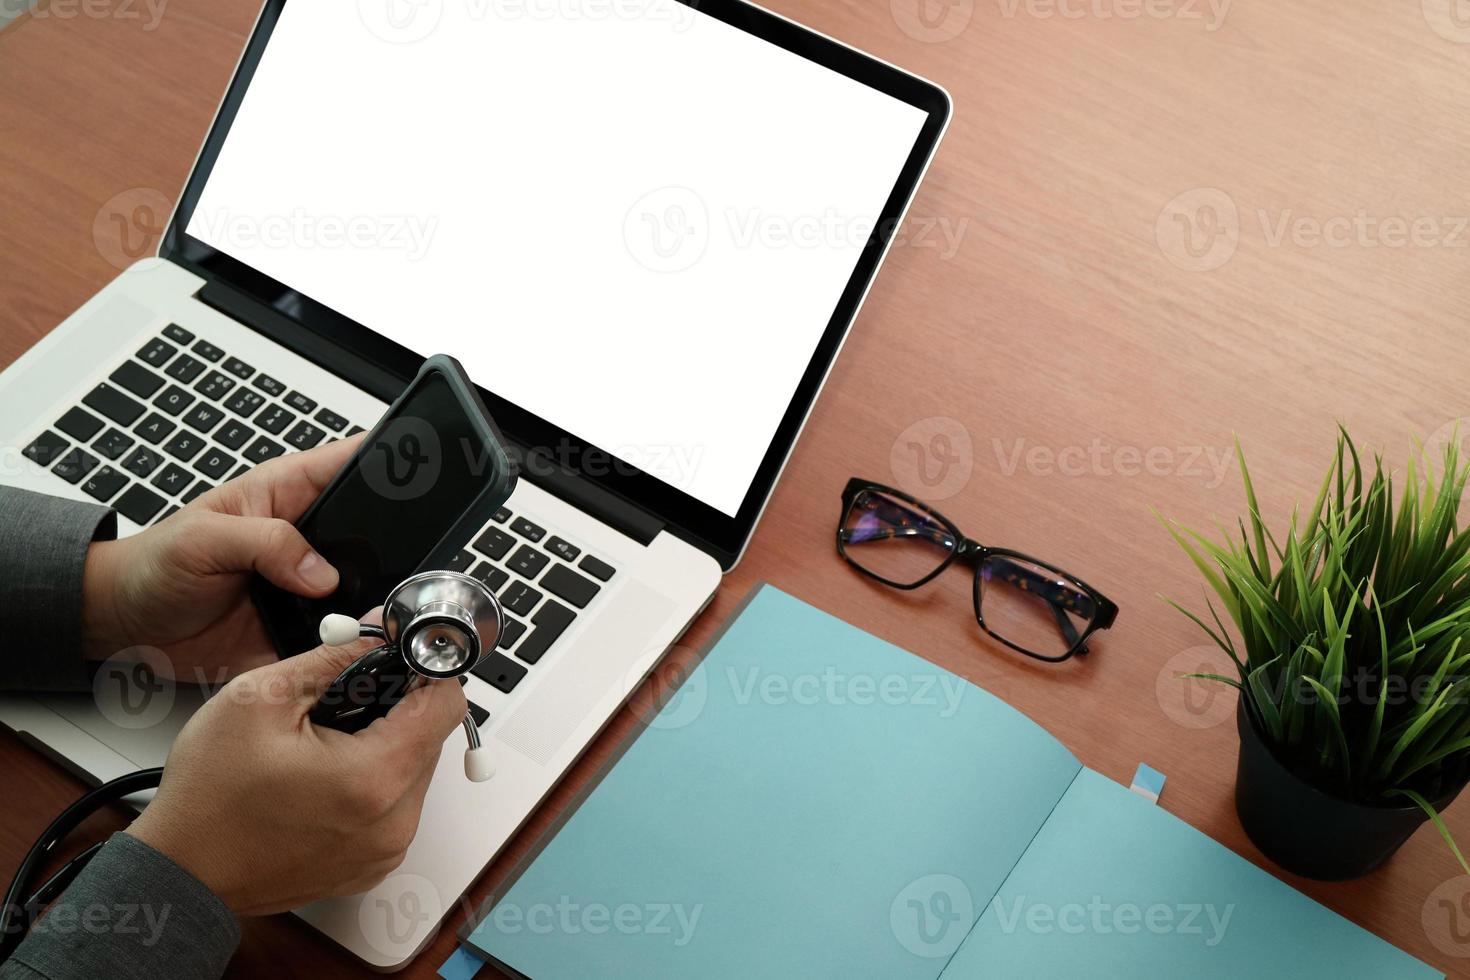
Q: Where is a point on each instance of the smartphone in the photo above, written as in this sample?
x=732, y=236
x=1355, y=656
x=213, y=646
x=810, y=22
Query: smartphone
x=425, y=479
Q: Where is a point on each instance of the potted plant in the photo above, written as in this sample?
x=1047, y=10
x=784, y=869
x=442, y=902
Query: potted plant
x=1352, y=662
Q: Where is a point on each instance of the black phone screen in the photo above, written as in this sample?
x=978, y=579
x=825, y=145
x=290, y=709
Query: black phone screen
x=412, y=481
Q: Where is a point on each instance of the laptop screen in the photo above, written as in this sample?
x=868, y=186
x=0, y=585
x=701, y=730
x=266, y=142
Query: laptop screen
x=627, y=217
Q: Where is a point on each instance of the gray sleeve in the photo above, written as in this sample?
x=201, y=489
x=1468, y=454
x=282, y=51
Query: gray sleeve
x=43, y=548
x=132, y=914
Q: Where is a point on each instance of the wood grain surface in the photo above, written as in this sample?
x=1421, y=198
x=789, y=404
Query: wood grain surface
x=1154, y=224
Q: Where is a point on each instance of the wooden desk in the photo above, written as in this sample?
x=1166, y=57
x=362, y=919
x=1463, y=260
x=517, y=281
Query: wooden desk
x=1083, y=364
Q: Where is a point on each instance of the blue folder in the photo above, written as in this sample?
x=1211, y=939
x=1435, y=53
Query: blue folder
x=816, y=802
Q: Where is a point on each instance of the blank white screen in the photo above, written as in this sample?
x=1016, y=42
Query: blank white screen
x=635, y=227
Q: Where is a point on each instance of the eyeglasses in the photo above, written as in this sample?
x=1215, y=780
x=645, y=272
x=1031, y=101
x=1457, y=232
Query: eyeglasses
x=1029, y=605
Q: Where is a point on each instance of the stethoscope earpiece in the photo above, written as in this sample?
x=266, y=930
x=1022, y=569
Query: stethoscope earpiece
x=435, y=627
x=338, y=630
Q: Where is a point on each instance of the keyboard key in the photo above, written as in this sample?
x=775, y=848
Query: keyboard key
x=501, y=515
x=551, y=621
x=215, y=385
x=514, y=630
x=240, y=470
x=174, y=400
x=172, y=510
x=178, y=334
x=305, y=435
x=173, y=479
x=184, y=446
x=139, y=504
x=331, y=420
x=494, y=544
x=215, y=463
x=300, y=402
x=196, y=491
x=104, y=484
x=460, y=562
x=203, y=417
x=263, y=449
x=113, y=444
x=185, y=369
x=493, y=577
x=527, y=562
x=275, y=419
x=245, y=402
x=112, y=403
x=157, y=353
x=519, y=598
x=528, y=530
x=79, y=425
x=155, y=428
x=137, y=379
x=233, y=435
x=500, y=672
x=597, y=568
x=477, y=713
x=239, y=368
x=75, y=465
x=208, y=351
x=564, y=583
x=142, y=462
x=563, y=549
x=355, y=430
x=47, y=448
x=269, y=385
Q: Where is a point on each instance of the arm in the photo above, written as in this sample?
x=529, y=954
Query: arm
x=132, y=914
x=259, y=811
x=43, y=550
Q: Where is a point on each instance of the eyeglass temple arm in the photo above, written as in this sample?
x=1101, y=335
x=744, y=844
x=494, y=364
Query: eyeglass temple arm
x=943, y=538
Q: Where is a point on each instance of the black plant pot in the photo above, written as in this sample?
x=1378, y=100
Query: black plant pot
x=1309, y=832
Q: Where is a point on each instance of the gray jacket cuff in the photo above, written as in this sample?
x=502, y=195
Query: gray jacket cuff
x=43, y=550
x=132, y=914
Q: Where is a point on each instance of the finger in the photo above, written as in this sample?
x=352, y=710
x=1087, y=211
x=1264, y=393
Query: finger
x=286, y=486
x=269, y=546
x=418, y=725
x=311, y=672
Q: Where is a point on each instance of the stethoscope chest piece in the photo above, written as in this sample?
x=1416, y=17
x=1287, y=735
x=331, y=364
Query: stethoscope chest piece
x=436, y=627
x=442, y=622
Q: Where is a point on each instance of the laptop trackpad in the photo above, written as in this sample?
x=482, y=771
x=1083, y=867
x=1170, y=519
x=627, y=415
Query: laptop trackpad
x=599, y=663
x=137, y=722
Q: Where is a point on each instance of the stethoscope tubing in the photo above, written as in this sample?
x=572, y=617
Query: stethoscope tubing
x=112, y=791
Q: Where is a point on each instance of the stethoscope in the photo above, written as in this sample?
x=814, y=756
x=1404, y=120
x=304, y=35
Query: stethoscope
x=436, y=626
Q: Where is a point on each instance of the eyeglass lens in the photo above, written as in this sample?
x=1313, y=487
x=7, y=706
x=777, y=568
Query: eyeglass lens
x=1032, y=606
x=893, y=540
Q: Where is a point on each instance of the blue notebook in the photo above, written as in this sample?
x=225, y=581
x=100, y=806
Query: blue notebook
x=816, y=802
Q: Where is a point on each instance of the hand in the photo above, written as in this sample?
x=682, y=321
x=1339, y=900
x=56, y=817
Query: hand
x=272, y=812
x=182, y=586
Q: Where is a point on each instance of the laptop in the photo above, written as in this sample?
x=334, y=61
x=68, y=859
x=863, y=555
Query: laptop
x=644, y=229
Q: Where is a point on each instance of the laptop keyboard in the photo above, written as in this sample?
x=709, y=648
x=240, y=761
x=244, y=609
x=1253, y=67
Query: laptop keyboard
x=543, y=583
x=173, y=422
x=182, y=416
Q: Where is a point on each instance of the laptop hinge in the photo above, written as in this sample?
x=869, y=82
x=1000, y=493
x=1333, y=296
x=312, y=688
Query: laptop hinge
x=538, y=467
x=541, y=469
x=315, y=348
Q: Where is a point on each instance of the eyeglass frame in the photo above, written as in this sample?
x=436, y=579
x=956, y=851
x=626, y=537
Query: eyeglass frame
x=974, y=553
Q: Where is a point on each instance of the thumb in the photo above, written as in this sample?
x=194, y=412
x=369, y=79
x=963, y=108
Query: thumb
x=296, y=683
x=311, y=672
x=267, y=545
x=418, y=725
